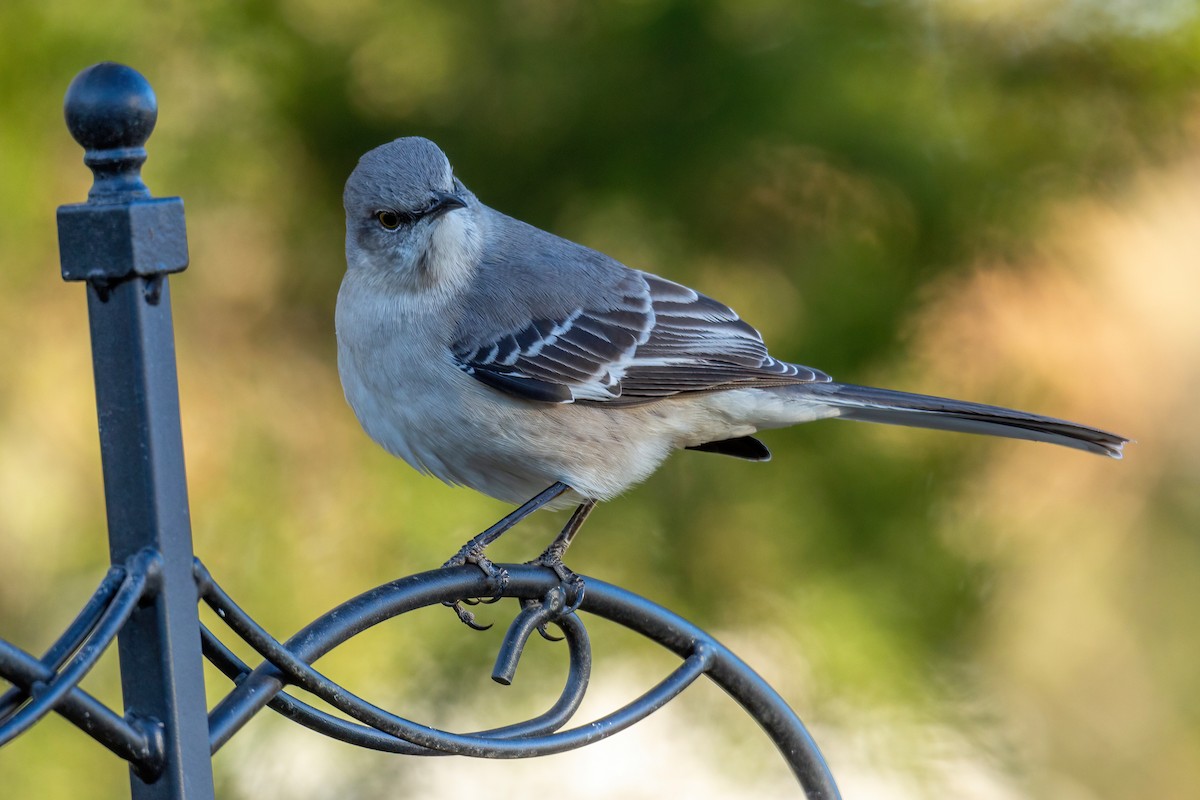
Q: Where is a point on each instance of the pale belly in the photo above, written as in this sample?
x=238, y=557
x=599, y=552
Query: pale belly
x=444, y=422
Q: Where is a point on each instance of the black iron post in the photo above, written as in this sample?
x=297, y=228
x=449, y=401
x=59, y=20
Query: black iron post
x=124, y=243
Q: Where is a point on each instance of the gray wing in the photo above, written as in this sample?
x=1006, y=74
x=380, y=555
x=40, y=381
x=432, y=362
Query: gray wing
x=645, y=339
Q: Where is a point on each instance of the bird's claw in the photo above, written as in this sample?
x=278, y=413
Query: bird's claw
x=547, y=635
x=497, y=579
x=465, y=616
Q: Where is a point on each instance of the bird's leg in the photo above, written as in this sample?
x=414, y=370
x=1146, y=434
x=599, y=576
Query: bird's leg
x=552, y=558
x=473, y=551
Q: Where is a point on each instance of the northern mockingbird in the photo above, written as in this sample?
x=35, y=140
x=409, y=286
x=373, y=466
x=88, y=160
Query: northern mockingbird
x=495, y=355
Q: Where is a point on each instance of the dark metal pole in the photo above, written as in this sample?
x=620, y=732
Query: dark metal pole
x=124, y=243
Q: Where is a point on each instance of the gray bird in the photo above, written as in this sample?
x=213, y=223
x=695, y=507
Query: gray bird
x=495, y=355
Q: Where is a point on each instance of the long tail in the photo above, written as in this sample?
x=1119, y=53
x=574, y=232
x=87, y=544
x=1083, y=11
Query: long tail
x=923, y=411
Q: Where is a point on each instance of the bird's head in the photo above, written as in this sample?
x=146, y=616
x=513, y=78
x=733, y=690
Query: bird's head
x=408, y=219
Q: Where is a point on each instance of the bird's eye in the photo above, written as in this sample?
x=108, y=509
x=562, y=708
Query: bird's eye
x=390, y=220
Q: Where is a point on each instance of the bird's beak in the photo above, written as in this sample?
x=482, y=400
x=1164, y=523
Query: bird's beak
x=445, y=201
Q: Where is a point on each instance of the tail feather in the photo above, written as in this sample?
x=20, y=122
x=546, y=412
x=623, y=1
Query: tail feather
x=923, y=411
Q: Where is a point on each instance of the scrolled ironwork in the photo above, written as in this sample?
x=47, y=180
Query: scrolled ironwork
x=51, y=682
x=289, y=663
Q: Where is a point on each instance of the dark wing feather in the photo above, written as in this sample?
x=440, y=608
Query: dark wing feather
x=584, y=353
x=746, y=447
x=697, y=345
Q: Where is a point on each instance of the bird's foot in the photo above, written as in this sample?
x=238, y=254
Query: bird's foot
x=571, y=583
x=472, y=551
x=497, y=577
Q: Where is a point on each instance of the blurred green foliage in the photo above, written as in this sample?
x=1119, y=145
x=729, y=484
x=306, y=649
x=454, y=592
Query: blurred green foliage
x=831, y=169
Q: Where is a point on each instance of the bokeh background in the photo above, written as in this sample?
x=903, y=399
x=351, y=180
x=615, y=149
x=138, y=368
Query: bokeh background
x=991, y=199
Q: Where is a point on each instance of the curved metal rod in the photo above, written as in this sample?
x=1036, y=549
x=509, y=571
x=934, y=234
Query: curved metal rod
x=85, y=621
x=300, y=712
x=365, y=736
x=141, y=570
x=701, y=651
x=265, y=681
x=44, y=696
x=140, y=745
x=533, y=617
x=729, y=672
x=491, y=745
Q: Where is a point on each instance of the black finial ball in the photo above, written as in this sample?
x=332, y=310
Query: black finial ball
x=110, y=106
